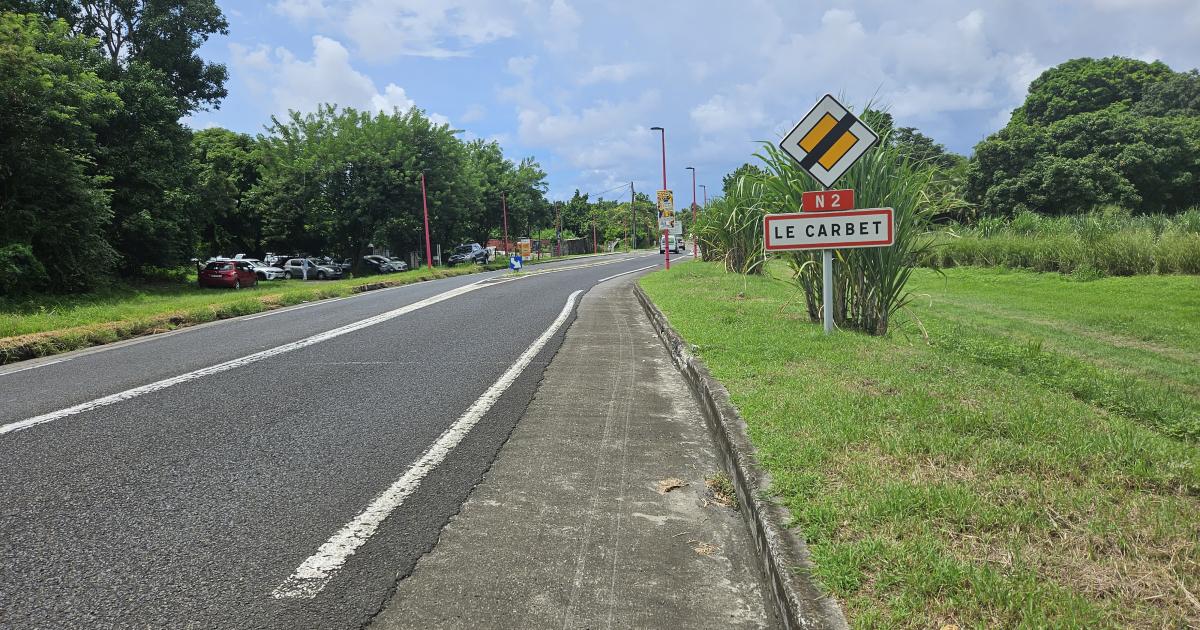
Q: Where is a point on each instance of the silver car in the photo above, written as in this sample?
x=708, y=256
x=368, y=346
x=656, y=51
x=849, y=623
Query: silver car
x=294, y=268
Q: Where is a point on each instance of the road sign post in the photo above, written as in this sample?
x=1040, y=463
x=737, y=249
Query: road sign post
x=666, y=222
x=826, y=143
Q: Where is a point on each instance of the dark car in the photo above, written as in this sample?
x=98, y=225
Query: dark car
x=294, y=268
x=469, y=253
x=379, y=264
x=233, y=274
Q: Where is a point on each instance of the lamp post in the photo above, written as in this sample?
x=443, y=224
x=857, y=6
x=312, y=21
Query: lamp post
x=705, y=194
x=693, y=170
x=666, y=240
x=425, y=207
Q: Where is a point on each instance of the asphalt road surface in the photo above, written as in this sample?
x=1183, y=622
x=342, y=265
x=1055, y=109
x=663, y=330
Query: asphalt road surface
x=259, y=472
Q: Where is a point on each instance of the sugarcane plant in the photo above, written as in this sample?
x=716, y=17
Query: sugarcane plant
x=730, y=229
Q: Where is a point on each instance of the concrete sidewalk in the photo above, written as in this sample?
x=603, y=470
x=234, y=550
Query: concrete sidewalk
x=569, y=529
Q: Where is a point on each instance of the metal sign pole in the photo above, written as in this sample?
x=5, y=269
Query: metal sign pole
x=827, y=285
x=827, y=288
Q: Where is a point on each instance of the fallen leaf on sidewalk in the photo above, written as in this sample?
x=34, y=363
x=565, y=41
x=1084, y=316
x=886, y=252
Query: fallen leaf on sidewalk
x=667, y=485
x=703, y=548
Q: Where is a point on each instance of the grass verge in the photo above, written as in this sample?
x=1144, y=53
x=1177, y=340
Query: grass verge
x=1004, y=474
x=50, y=326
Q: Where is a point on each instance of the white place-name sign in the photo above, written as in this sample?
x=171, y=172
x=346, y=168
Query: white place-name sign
x=828, y=230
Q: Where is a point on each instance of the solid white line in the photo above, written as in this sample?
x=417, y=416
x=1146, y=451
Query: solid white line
x=235, y=363
x=625, y=273
x=33, y=367
x=314, y=573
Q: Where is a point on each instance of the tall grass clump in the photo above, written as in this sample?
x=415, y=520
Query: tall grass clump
x=868, y=283
x=731, y=228
x=1109, y=241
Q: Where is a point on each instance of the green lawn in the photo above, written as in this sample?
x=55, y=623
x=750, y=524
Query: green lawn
x=1035, y=463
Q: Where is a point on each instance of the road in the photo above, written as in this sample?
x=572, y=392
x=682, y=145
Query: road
x=259, y=472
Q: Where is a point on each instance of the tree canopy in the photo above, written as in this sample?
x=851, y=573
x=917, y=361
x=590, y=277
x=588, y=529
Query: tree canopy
x=1094, y=132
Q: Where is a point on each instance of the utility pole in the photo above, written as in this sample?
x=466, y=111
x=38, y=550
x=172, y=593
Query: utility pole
x=425, y=207
x=632, y=217
x=666, y=239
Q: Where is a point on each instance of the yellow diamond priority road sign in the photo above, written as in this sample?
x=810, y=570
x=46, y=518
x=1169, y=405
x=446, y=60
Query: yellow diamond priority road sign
x=828, y=141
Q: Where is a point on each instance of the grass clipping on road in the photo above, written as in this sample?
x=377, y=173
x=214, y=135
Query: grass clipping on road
x=69, y=323
x=950, y=483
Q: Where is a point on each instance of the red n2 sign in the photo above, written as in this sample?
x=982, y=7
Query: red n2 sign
x=827, y=200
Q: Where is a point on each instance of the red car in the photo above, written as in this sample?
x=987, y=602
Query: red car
x=228, y=273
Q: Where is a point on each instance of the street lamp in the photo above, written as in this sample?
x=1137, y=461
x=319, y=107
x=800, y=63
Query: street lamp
x=666, y=239
x=693, y=170
x=705, y=194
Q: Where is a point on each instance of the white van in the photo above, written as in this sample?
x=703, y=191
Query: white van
x=674, y=242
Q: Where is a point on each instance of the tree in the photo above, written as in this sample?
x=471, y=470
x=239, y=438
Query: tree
x=729, y=182
x=225, y=165
x=53, y=208
x=1094, y=132
x=336, y=180
x=163, y=34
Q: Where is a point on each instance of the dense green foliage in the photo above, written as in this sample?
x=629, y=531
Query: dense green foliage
x=98, y=175
x=1093, y=132
x=53, y=205
x=1087, y=246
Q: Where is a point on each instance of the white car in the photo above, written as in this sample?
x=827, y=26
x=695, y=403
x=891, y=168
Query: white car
x=265, y=271
x=676, y=244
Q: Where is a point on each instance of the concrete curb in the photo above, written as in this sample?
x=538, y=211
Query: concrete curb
x=782, y=554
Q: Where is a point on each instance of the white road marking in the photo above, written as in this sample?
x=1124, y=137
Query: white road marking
x=314, y=573
x=34, y=367
x=235, y=363
x=270, y=352
x=625, y=273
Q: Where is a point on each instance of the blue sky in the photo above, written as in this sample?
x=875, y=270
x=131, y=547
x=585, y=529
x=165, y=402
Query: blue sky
x=577, y=85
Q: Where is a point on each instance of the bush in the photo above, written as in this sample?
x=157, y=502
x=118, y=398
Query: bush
x=20, y=271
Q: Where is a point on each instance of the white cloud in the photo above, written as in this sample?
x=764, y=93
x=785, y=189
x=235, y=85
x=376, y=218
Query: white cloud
x=327, y=77
x=610, y=73
x=384, y=29
x=475, y=112
x=301, y=10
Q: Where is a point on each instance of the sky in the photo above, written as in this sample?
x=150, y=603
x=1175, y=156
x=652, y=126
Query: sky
x=577, y=85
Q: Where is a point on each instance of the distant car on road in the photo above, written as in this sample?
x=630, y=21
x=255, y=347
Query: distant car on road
x=294, y=268
x=675, y=243
x=468, y=253
x=233, y=274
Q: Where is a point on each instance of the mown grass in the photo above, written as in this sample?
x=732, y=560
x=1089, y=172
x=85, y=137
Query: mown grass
x=49, y=325
x=981, y=478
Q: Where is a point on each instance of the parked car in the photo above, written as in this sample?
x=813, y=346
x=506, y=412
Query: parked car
x=294, y=268
x=468, y=253
x=675, y=243
x=229, y=274
x=264, y=271
x=380, y=264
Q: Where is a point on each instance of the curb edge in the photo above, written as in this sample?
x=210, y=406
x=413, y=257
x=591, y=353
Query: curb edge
x=783, y=555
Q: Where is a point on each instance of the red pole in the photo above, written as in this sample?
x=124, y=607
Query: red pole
x=693, y=213
x=595, y=247
x=666, y=240
x=504, y=204
x=425, y=206
x=693, y=210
